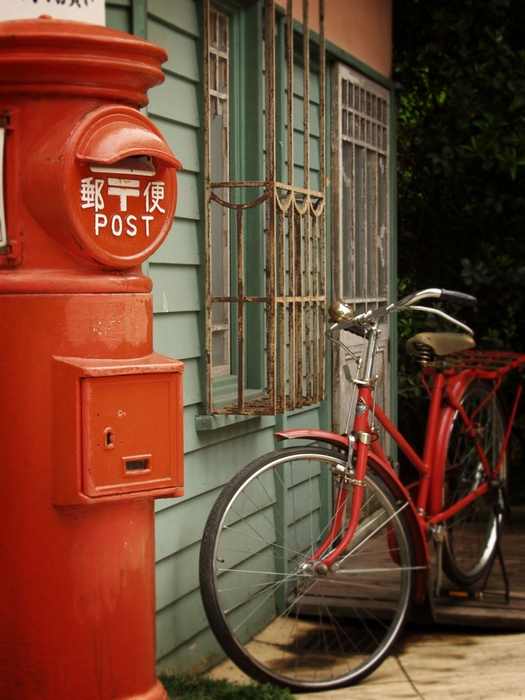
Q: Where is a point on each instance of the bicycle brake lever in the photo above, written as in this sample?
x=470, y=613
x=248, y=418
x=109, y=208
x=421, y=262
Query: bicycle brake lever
x=438, y=312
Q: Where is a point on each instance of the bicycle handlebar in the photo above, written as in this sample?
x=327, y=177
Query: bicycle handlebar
x=458, y=298
x=411, y=301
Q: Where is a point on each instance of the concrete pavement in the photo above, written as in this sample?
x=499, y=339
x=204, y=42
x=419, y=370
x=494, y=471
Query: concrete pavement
x=436, y=663
x=445, y=662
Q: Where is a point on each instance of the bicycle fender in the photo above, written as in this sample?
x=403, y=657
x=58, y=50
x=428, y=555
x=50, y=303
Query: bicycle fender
x=419, y=542
x=398, y=491
x=340, y=442
x=459, y=385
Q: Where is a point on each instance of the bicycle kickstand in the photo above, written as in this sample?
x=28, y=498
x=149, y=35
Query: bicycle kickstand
x=499, y=511
x=438, y=535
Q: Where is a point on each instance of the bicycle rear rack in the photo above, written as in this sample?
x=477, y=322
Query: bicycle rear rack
x=486, y=364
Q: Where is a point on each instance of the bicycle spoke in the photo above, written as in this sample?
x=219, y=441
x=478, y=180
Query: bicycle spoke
x=278, y=615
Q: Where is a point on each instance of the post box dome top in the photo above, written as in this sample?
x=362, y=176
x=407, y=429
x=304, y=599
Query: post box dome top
x=51, y=57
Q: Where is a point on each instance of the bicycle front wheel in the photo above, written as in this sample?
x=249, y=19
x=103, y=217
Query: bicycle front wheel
x=277, y=616
x=471, y=534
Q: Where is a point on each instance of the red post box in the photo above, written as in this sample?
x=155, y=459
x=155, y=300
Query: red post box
x=90, y=416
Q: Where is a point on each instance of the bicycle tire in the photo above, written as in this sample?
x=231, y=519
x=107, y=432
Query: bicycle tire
x=471, y=534
x=275, y=618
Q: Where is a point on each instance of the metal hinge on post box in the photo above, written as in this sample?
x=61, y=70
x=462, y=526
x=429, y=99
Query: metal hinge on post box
x=11, y=254
x=10, y=248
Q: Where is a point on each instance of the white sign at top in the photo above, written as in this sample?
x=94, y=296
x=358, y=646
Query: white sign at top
x=92, y=11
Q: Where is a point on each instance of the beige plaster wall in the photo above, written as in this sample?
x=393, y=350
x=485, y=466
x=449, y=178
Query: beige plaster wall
x=363, y=28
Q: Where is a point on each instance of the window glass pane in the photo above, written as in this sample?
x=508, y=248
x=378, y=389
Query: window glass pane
x=219, y=348
x=382, y=223
x=348, y=220
x=219, y=172
x=360, y=247
x=223, y=33
x=370, y=207
x=223, y=75
x=213, y=28
x=213, y=73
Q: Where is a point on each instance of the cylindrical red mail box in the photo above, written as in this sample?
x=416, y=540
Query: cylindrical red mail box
x=91, y=416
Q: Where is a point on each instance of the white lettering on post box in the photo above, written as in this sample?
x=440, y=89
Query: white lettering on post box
x=123, y=189
x=132, y=229
x=101, y=220
x=154, y=193
x=91, y=193
x=136, y=204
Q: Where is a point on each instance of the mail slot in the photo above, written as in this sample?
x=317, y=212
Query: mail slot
x=104, y=185
x=137, y=465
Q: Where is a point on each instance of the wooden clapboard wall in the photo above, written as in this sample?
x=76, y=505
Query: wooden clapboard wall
x=216, y=447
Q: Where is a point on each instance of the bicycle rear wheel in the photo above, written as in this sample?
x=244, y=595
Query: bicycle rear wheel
x=471, y=534
x=279, y=619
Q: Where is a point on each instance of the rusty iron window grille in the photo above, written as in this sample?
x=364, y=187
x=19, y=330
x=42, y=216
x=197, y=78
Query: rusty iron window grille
x=280, y=223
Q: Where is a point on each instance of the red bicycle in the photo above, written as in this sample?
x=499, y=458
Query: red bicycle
x=311, y=556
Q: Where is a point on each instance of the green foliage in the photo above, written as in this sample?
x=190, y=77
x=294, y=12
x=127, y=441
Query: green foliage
x=204, y=688
x=498, y=280
x=461, y=170
x=461, y=64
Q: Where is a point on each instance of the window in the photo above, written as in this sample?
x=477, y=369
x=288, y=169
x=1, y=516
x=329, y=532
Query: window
x=265, y=220
x=362, y=163
x=361, y=228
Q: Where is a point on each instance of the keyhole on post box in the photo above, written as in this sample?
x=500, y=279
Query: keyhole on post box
x=109, y=439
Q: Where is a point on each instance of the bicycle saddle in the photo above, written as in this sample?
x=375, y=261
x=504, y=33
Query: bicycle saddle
x=440, y=344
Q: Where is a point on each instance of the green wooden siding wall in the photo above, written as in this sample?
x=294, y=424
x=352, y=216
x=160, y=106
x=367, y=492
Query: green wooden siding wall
x=214, y=455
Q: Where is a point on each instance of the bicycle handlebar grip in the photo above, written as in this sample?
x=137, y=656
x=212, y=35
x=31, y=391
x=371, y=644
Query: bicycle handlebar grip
x=357, y=330
x=458, y=298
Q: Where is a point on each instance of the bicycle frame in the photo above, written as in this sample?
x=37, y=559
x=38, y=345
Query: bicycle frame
x=446, y=391
x=431, y=466
x=330, y=546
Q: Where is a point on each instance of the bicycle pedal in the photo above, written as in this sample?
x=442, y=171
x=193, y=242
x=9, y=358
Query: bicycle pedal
x=460, y=593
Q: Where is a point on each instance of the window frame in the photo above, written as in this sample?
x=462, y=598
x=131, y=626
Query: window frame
x=246, y=114
x=272, y=327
